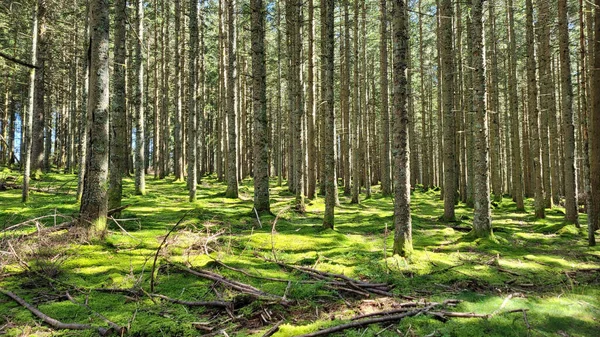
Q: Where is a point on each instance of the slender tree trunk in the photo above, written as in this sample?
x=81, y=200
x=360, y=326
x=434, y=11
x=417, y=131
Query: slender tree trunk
x=425, y=150
x=118, y=127
x=259, y=97
x=28, y=119
x=138, y=102
x=482, y=218
x=594, y=214
x=386, y=185
x=311, y=108
x=446, y=38
x=94, y=202
x=200, y=114
x=546, y=98
x=83, y=126
x=517, y=171
x=191, y=121
x=400, y=121
x=232, y=168
x=177, y=130
x=494, y=103
x=37, y=134
x=156, y=139
x=327, y=96
x=568, y=126
x=354, y=124
x=534, y=113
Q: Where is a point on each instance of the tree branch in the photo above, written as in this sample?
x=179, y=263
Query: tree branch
x=15, y=60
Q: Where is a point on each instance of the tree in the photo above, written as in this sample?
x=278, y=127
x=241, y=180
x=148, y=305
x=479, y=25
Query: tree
x=594, y=220
x=118, y=127
x=311, y=109
x=177, y=129
x=28, y=120
x=191, y=132
x=517, y=174
x=261, y=151
x=138, y=102
x=447, y=60
x=400, y=120
x=482, y=218
x=37, y=133
x=232, y=167
x=94, y=203
x=568, y=127
x=533, y=112
x=327, y=99
x=386, y=186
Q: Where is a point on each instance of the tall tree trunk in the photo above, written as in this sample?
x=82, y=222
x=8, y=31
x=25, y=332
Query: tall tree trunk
x=533, y=113
x=94, y=203
x=200, y=115
x=156, y=139
x=400, y=120
x=425, y=150
x=517, y=174
x=311, y=108
x=28, y=119
x=259, y=97
x=327, y=99
x=494, y=104
x=232, y=167
x=386, y=185
x=177, y=130
x=568, y=126
x=83, y=125
x=546, y=97
x=138, y=102
x=482, y=218
x=118, y=127
x=354, y=124
x=191, y=121
x=37, y=133
x=447, y=60
x=594, y=214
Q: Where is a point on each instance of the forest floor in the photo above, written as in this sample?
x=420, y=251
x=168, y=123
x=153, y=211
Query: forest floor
x=537, y=278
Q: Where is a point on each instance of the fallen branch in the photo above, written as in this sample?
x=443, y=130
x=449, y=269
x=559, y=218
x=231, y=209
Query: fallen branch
x=361, y=323
x=113, y=211
x=56, y=324
x=235, y=285
x=34, y=220
x=273, y=330
x=404, y=307
x=160, y=247
x=210, y=304
x=120, y=330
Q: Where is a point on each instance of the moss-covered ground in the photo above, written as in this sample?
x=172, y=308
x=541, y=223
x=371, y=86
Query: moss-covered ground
x=543, y=266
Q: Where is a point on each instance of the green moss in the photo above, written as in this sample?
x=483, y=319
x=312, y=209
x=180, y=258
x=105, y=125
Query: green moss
x=537, y=257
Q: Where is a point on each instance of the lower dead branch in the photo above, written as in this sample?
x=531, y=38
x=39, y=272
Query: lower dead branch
x=273, y=330
x=56, y=324
x=235, y=285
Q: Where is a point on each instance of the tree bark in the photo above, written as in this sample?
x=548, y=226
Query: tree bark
x=594, y=219
x=546, y=97
x=138, y=102
x=94, y=203
x=568, y=126
x=482, y=218
x=191, y=121
x=517, y=174
x=118, y=127
x=232, y=167
x=259, y=97
x=532, y=109
x=28, y=119
x=400, y=121
x=327, y=103
x=494, y=104
x=311, y=109
x=38, y=127
x=177, y=129
x=386, y=185
x=449, y=145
